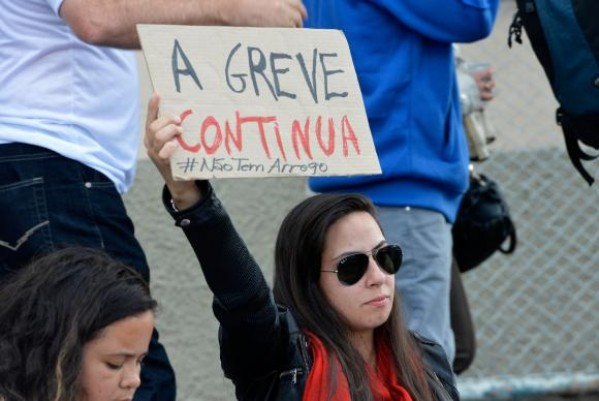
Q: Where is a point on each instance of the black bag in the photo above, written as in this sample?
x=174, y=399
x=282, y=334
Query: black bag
x=564, y=35
x=483, y=224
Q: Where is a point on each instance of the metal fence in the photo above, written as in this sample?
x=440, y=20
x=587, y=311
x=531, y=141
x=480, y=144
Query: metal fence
x=536, y=312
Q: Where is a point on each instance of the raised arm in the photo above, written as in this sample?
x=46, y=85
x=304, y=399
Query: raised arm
x=160, y=142
x=230, y=270
x=243, y=303
x=112, y=22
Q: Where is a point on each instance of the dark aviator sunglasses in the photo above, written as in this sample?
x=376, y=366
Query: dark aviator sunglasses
x=351, y=268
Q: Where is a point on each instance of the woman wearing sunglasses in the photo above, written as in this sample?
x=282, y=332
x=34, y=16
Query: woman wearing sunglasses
x=331, y=329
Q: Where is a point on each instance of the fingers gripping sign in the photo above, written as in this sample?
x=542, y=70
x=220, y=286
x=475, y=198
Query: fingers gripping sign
x=161, y=143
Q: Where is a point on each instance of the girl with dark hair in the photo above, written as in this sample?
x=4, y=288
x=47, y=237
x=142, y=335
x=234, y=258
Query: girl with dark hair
x=74, y=326
x=331, y=329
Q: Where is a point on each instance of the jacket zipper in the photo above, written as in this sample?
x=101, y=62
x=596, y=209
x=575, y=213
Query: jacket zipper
x=293, y=373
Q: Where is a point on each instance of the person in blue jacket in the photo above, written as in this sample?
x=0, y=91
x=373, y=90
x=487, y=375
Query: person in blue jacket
x=403, y=55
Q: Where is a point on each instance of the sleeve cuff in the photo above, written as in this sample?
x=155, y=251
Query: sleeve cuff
x=186, y=217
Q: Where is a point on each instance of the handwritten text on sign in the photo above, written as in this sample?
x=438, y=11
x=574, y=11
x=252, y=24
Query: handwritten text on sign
x=260, y=101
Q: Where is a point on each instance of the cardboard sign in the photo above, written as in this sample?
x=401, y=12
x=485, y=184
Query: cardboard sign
x=259, y=102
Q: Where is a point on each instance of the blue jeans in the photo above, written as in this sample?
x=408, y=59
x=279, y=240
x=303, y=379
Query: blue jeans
x=424, y=279
x=48, y=201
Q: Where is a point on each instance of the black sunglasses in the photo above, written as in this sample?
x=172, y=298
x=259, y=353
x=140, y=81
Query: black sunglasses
x=351, y=268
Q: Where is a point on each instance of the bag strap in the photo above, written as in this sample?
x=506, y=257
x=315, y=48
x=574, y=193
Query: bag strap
x=575, y=153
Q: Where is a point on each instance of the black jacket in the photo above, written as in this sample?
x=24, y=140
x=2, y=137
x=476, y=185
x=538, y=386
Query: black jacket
x=262, y=350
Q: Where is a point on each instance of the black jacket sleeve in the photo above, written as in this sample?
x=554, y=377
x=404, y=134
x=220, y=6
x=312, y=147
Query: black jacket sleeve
x=250, y=329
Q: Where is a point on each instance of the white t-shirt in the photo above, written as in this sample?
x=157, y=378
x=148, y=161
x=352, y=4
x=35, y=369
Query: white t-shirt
x=60, y=93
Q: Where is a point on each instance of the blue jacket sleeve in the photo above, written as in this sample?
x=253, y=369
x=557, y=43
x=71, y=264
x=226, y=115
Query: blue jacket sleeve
x=444, y=20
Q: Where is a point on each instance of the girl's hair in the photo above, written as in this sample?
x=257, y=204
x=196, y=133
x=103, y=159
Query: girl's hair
x=299, y=247
x=50, y=309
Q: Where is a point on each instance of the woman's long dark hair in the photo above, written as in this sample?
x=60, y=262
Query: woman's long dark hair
x=298, y=251
x=50, y=309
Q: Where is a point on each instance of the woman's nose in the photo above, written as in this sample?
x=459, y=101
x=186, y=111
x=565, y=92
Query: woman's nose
x=131, y=378
x=374, y=274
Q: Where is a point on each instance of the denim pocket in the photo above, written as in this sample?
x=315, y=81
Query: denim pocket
x=25, y=228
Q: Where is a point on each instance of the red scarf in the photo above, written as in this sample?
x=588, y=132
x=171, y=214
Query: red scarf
x=383, y=383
